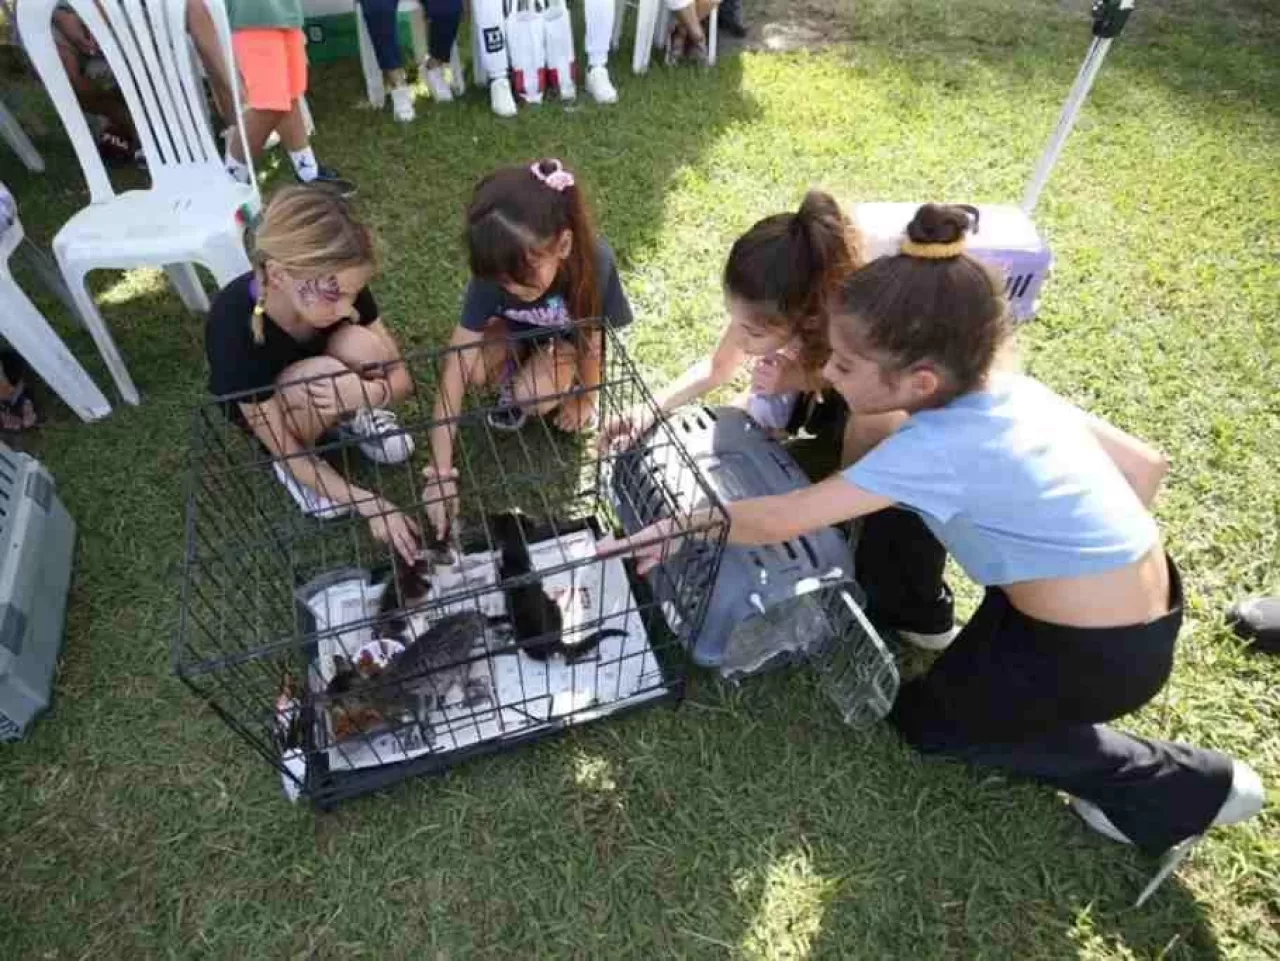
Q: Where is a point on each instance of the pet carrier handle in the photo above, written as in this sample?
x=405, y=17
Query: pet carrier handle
x=1109, y=17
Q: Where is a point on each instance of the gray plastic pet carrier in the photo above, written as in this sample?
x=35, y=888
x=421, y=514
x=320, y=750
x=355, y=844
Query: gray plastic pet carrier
x=771, y=605
x=36, y=540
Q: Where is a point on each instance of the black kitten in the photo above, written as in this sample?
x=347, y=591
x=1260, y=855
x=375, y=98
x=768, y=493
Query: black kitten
x=535, y=618
x=409, y=587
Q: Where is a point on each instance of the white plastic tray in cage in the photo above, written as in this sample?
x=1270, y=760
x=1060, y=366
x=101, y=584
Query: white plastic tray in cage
x=528, y=694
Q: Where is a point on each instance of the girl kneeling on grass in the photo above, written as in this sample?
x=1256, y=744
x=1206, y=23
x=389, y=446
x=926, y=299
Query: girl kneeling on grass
x=1039, y=502
x=297, y=348
x=777, y=282
x=537, y=269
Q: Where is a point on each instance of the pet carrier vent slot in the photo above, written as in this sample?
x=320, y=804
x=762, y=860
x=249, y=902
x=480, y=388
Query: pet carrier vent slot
x=809, y=552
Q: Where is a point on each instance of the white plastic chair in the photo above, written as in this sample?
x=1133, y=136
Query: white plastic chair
x=373, y=83
x=190, y=212
x=12, y=133
x=26, y=330
x=653, y=20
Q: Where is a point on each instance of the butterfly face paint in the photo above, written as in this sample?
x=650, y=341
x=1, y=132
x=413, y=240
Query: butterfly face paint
x=315, y=291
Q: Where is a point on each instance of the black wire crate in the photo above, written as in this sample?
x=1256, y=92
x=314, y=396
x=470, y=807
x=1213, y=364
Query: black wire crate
x=349, y=669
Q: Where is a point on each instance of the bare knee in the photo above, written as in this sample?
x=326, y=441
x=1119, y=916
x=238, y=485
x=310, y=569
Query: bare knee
x=294, y=389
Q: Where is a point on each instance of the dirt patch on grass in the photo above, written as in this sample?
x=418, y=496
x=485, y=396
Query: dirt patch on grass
x=781, y=25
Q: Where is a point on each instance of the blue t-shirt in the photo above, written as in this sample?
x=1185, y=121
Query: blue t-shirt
x=550, y=312
x=1013, y=483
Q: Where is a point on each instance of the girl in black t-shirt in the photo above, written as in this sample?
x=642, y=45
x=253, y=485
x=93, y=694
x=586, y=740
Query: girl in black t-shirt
x=296, y=348
x=537, y=272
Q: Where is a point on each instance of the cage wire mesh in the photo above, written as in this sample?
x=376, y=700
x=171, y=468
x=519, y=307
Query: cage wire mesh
x=284, y=632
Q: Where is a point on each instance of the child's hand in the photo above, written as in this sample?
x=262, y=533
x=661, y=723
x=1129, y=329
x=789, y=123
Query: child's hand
x=441, y=497
x=777, y=374
x=649, y=546
x=622, y=430
x=576, y=413
x=397, y=531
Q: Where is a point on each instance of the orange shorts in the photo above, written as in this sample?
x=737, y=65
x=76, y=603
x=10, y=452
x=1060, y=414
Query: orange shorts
x=273, y=65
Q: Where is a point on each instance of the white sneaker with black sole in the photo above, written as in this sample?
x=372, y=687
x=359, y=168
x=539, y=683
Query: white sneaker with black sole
x=1244, y=800
x=380, y=435
x=313, y=504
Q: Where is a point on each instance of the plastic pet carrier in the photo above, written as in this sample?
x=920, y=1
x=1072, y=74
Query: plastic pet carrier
x=37, y=537
x=1004, y=236
x=771, y=605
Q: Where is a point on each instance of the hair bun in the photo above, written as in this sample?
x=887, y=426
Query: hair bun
x=939, y=224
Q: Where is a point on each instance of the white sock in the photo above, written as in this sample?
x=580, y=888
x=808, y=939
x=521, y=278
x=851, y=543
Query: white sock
x=304, y=164
x=237, y=168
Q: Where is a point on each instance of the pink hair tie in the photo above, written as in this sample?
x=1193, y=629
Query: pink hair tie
x=558, y=180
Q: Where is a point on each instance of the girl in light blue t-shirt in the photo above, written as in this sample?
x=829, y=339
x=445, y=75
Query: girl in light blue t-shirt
x=1043, y=505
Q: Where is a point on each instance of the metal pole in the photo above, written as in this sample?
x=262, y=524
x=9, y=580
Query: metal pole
x=1109, y=17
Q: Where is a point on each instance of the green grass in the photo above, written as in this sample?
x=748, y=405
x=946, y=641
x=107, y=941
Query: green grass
x=748, y=823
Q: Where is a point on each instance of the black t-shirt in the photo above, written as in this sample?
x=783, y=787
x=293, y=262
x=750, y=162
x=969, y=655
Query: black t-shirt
x=237, y=364
x=484, y=299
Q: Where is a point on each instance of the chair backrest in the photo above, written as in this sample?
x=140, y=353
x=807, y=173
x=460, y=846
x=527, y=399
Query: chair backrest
x=146, y=46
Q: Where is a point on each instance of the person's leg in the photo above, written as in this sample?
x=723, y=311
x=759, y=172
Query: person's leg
x=488, y=20
x=443, y=20
x=260, y=56
x=205, y=35
x=731, y=18
x=1028, y=698
x=362, y=350
x=548, y=373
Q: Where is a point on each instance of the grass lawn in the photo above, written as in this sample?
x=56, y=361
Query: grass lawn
x=748, y=823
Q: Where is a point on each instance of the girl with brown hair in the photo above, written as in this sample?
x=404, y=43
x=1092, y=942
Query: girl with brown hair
x=1043, y=505
x=296, y=348
x=541, y=285
x=777, y=281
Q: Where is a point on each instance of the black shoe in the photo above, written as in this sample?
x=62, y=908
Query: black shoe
x=731, y=25
x=328, y=177
x=1257, y=620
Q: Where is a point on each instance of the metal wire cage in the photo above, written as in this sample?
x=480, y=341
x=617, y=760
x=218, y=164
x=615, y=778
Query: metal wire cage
x=283, y=629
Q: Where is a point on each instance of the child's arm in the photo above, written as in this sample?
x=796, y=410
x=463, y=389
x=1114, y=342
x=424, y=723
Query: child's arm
x=756, y=520
x=1143, y=466
x=703, y=376
x=268, y=422
x=458, y=368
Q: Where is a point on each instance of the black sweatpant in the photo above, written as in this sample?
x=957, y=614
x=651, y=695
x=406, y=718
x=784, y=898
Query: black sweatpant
x=1030, y=698
x=1020, y=695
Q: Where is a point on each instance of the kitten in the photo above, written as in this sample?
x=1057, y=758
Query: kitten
x=536, y=620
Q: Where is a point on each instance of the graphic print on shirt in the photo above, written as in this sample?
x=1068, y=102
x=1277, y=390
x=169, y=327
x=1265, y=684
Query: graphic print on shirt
x=553, y=313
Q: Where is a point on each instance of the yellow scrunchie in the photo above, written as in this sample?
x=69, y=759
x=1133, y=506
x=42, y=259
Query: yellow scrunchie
x=933, y=251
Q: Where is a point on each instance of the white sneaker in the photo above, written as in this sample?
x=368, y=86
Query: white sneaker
x=500, y=98
x=437, y=83
x=381, y=438
x=600, y=86
x=566, y=89
x=1244, y=800
x=313, y=504
x=402, y=104
x=930, y=642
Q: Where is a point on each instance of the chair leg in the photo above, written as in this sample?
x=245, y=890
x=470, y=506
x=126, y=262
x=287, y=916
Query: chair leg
x=43, y=265
x=186, y=282
x=89, y=316
x=619, y=15
x=31, y=336
x=417, y=31
x=374, y=88
x=713, y=32
x=12, y=133
x=307, y=120
x=646, y=25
